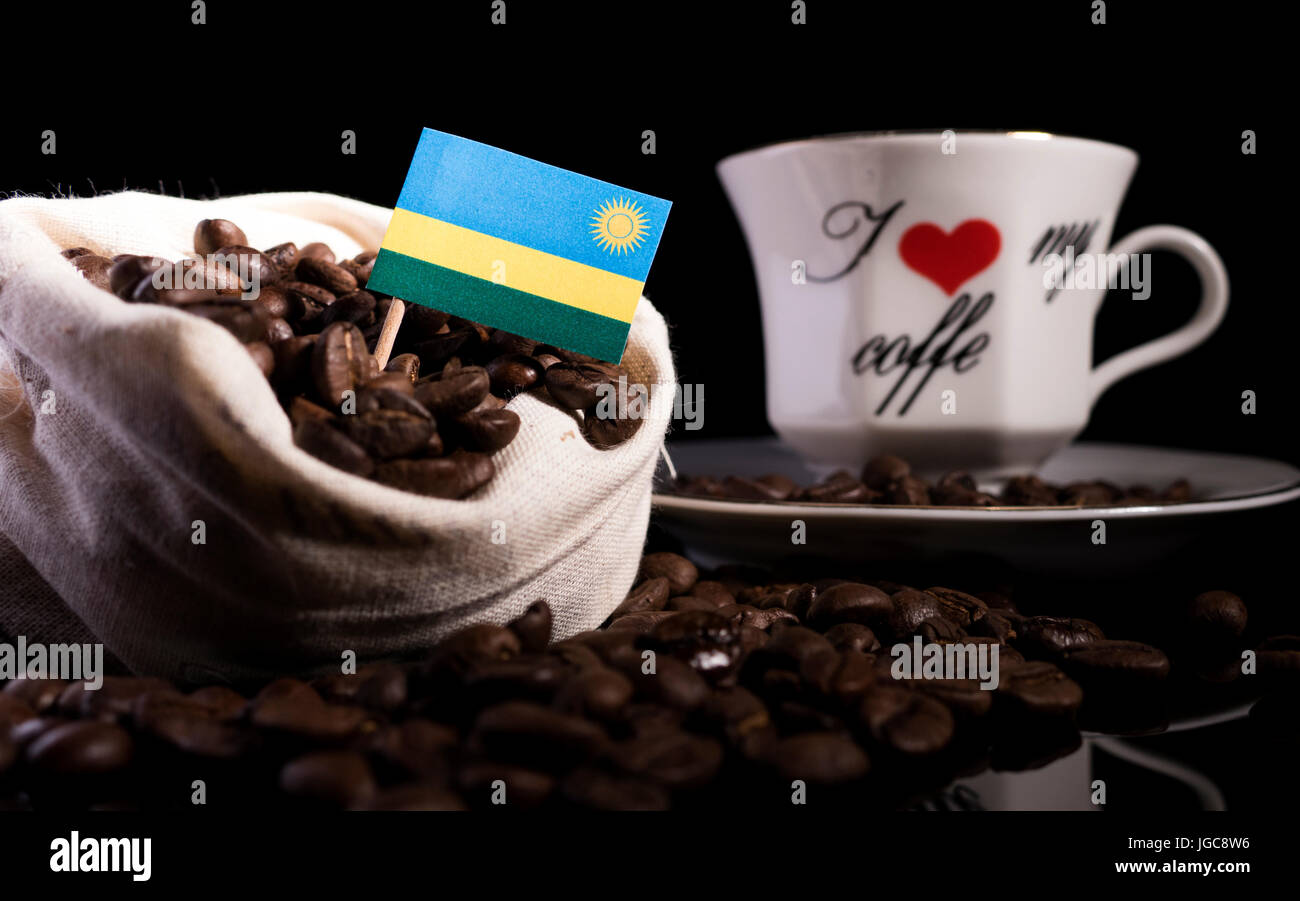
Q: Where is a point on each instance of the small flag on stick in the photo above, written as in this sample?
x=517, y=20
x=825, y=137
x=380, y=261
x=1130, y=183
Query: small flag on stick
x=519, y=245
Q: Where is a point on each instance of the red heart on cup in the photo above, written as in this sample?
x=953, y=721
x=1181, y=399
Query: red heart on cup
x=946, y=259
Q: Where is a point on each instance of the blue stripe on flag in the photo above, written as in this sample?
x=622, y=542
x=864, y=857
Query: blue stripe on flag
x=518, y=199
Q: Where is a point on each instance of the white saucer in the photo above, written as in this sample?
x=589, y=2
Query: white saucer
x=1059, y=539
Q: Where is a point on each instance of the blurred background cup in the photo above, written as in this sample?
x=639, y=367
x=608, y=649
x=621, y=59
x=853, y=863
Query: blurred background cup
x=933, y=295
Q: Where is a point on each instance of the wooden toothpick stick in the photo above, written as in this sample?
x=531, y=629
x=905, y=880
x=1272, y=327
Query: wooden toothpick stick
x=387, y=335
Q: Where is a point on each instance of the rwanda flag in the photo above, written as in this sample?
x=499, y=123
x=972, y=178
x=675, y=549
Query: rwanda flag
x=519, y=245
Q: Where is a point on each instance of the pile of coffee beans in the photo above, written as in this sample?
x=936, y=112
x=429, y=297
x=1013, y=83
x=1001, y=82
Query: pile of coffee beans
x=430, y=422
x=889, y=480
x=702, y=689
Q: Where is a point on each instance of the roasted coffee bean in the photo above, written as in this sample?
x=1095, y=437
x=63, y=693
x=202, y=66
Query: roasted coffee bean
x=315, y=251
x=674, y=684
x=963, y=609
x=840, y=488
x=73, y=252
x=455, y=476
x=386, y=434
x=284, y=256
x=676, y=760
x=1278, y=655
x=13, y=710
x=306, y=301
x=849, y=602
x=680, y=572
x=597, y=790
x=357, y=307
x=597, y=691
x=129, y=271
x=482, y=641
x=326, y=443
x=513, y=374
x=910, y=608
x=714, y=592
x=451, y=394
x=753, y=489
x=1109, y=661
x=113, y=699
x=334, y=778
x=1030, y=491
x=702, y=638
x=382, y=688
x=884, y=470
x=852, y=636
x=533, y=627
x=651, y=594
x=907, y=721
x=529, y=733
x=1047, y=637
x=996, y=624
x=407, y=365
x=487, y=430
x=685, y=602
x=210, y=235
x=820, y=758
x=38, y=694
x=909, y=490
x=1215, y=616
x=609, y=424
x=578, y=386
x=82, y=747
x=525, y=788
x=1037, y=687
x=964, y=698
x=340, y=362
x=641, y=622
x=325, y=273
x=412, y=797
x=250, y=264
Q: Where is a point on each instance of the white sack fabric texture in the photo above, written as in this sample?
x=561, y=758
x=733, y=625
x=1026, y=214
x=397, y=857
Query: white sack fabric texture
x=124, y=425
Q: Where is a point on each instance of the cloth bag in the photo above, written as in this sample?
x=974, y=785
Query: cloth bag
x=128, y=431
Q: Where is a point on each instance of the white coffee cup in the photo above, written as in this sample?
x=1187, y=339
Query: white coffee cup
x=904, y=287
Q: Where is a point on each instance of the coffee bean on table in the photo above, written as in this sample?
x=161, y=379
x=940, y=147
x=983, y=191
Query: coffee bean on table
x=884, y=470
x=1215, y=616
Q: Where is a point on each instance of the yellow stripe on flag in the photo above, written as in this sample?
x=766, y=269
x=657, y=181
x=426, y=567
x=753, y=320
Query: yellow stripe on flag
x=532, y=271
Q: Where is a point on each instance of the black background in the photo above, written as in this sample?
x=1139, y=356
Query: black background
x=256, y=100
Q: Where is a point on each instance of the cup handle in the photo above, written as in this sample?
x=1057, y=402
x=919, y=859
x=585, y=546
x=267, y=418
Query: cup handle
x=1214, y=303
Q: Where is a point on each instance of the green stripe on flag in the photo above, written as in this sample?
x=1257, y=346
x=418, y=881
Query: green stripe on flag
x=501, y=306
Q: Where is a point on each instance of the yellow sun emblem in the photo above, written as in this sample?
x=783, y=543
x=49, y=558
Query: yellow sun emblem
x=619, y=226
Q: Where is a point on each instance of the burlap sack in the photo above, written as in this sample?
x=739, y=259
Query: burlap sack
x=130, y=423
